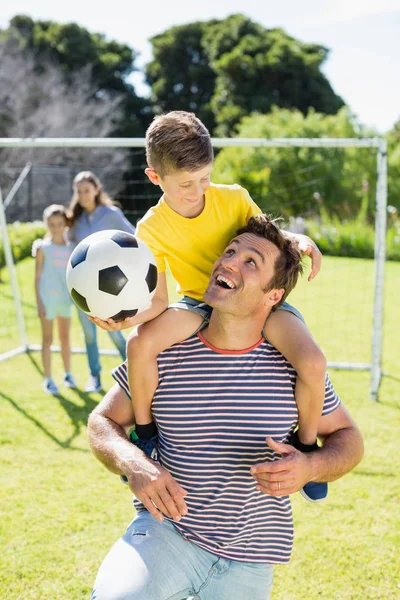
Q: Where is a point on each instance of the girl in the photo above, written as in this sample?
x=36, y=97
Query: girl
x=90, y=211
x=52, y=296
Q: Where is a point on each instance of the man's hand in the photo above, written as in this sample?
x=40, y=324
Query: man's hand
x=110, y=324
x=155, y=487
x=284, y=476
x=310, y=248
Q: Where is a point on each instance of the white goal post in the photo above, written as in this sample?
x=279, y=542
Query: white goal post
x=375, y=365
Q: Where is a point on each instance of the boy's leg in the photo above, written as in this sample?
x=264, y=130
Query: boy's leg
x=290, y=336
x=144, y=345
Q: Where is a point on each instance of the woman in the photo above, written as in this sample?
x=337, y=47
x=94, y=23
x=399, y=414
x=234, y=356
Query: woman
x=91, y=210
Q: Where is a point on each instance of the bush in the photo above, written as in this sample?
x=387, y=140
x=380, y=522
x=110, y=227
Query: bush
x=353, y=238
x=21, y=235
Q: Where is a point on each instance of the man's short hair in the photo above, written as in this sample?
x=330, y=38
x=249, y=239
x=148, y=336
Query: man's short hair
x=178, y=141
x=288, y=265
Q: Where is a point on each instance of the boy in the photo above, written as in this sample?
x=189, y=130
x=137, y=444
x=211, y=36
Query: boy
x=188, y=229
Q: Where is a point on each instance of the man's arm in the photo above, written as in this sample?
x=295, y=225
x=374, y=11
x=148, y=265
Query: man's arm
x=342, y=450
x=149, y=481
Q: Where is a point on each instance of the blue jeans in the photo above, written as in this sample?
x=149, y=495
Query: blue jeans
x=92, y=349
x=152, y=561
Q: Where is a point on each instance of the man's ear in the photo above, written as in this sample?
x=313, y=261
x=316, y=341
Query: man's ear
x=152, y=175
x=273, y=297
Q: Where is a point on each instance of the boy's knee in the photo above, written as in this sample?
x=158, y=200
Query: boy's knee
x=312, y=365
x=139, y=343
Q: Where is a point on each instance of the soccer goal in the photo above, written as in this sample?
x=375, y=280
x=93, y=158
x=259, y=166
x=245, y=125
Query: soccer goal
x=344, y=302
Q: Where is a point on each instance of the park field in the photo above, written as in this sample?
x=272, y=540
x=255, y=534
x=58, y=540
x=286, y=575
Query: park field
x=61, y=510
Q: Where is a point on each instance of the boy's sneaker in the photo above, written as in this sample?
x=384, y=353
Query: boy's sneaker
x=50, y=387
x=147, y=445
x=93, y=384
x=69, y=381
x=313, y=491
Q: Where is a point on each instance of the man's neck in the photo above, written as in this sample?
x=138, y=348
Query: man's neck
x=230, y=332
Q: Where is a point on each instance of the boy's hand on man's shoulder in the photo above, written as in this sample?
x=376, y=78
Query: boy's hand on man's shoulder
x=307, y=246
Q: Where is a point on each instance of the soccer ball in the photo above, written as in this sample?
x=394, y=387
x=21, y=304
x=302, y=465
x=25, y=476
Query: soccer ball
x=112, y=274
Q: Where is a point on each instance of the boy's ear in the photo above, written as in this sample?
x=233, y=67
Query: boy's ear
x=152, y=175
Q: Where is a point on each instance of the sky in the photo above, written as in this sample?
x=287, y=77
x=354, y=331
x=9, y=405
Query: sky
x=363, y=37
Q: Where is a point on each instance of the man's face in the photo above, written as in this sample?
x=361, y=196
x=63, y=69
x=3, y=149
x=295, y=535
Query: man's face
x=184, y=190
x=242, y=275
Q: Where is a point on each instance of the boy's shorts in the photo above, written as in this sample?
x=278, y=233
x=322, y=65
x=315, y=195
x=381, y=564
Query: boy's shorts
x=292, y=309
x=197, y=306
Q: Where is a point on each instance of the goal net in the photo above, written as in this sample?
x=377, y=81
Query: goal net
x=343, y=306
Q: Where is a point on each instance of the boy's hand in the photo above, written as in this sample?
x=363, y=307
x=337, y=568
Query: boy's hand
x=110, y=324
x=310, y=248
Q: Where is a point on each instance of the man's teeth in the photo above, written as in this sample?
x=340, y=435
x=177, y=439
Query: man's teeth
x=222, y=279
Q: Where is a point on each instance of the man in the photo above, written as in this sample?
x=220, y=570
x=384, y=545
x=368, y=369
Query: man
x=214, y=514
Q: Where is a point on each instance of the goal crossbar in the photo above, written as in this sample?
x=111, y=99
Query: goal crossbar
x=375, y=366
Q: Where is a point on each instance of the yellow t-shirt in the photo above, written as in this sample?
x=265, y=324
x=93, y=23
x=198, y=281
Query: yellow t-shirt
x=191, y=246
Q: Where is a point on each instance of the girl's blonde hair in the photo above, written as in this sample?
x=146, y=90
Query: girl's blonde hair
x=55, y=210
x=75, y=209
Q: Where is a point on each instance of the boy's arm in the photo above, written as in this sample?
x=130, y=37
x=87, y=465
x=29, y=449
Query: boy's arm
x=159, y=304
x=307, y=246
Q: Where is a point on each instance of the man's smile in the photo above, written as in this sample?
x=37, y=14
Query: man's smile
x=225, y=282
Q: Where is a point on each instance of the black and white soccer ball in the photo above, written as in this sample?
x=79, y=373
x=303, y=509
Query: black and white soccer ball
x=112, y=274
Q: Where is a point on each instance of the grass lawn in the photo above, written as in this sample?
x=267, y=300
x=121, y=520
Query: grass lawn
x=61, y=510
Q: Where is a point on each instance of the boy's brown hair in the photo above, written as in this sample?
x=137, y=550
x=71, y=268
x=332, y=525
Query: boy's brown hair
x=178, y=141
x=288, y=265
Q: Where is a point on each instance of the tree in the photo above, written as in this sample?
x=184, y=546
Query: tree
x=302, y=181
x=180, y=75
x=74, y=48
x=258, y=68
x=393, y=139
x=226, y=69
x=42, y=104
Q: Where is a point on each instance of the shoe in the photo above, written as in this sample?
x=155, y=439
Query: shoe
x=50, y=387
x=69, y=381
x=147, y=445
x=93, y=384
x=314, y=491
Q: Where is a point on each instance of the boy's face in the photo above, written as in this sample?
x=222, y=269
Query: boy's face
x=184, y=190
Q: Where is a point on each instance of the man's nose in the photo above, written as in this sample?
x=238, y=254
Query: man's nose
x=230, y=262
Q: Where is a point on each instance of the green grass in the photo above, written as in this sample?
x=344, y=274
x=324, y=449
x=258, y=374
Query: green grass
x=61, y=510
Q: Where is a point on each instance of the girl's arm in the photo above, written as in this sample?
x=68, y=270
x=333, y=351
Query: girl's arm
x=159, y=304
x=38, y=273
